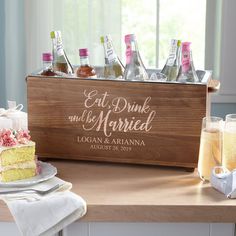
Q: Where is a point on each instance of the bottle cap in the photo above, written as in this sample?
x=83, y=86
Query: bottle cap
x=83, y=52
x=47, y=56
x=53, y=34
x=106, y=38
x=179, y=43
x=129, y=38
x=186, y=46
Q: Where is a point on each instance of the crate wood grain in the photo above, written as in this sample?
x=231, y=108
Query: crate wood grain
x=116, y=121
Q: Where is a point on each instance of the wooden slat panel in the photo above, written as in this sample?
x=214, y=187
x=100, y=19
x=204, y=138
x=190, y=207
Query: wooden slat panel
x=175, y=112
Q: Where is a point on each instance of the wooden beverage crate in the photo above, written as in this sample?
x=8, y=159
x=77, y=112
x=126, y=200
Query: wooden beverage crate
x=117, y=121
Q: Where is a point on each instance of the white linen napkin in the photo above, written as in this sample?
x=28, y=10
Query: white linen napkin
x=224, y=181
x=45, y=215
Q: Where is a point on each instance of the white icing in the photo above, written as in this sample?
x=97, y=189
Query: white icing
x=21, y=165
x=29, y=144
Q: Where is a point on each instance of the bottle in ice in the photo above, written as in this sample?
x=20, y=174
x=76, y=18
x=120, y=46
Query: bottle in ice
x=171, y=68
x=60, y=60
x=85, y=70
x=134, y=69
x=47, y=65
x=187, y=71
x=113, y=66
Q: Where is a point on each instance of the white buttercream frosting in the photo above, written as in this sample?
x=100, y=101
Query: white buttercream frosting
x=20, y=165
x=29, y=144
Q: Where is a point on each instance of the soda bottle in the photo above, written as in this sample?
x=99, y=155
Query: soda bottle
x=187, y=70
x=85, y=70
x=47, y=65
x=60, y=60
x=134, y=69
x=171, y=68
x=113, y=66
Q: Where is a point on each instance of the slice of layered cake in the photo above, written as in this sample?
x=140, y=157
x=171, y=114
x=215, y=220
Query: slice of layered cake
x=17, y=156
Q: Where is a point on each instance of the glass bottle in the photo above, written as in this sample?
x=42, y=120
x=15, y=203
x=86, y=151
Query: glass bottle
x=187, y=71
x=134, y=69
x=171, y=68
x=85, y=70
x=47, y=65
x=60, y=60
x=113, y=66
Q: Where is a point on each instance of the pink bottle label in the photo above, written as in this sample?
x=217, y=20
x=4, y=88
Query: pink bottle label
x=128, y=53
x=185, y=56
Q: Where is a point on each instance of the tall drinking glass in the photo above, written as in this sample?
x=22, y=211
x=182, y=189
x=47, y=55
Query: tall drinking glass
x=229, y=142
x=210, y=146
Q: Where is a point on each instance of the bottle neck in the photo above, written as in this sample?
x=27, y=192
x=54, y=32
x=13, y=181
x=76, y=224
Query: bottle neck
x=47, y=64
x=131, y=50
x=134, y=46
x=177, y=59
x=84, y=61
x=60, y=60
x=186, y=60
x=173, y=54
x=58, y=49
x=109, y=52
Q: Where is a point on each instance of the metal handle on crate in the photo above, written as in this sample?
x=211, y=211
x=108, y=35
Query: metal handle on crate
x=213, y=86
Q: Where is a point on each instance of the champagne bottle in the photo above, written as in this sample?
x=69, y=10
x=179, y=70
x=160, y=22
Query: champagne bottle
x=60, y=60
x=113, y=66
x=172, y=66
x=134, y=69
x=187, y=70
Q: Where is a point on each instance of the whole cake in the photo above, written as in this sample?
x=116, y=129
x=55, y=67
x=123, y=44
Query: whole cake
x=17, y=155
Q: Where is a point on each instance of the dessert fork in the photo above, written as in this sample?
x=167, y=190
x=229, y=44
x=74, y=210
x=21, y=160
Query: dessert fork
x=31, y=190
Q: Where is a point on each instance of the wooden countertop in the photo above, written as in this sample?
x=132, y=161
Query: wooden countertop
x=134, y=193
